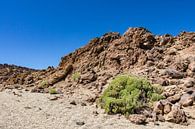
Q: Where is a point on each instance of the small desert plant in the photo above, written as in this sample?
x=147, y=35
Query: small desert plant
x=126, y=94
x=53, y=91
x=76, y=76
x=43, y=84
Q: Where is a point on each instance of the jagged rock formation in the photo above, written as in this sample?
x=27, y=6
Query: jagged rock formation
x=165, y=60
x=11, y=74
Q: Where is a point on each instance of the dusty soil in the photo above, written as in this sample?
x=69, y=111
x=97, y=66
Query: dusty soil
x=25, y=110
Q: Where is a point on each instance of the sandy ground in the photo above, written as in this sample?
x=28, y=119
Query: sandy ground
x=23, y=110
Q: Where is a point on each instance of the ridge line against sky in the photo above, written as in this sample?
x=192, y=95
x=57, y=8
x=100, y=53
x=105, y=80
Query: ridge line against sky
x=37, y=33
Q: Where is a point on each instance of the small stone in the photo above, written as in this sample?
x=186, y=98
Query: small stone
x=83, y=104
x=172, y=51
x=161, y=118
x=174, y=82
x=158, y=108
x=17, y=94
x=170, y=126
x=73, y=103
x=189, y=90
x=150, y=63
x=192, y=66
x=190, y=82
x=88, y=77
x=28, y=107
x=167, y=106
x=162, y=82
x=186, y=100
x=95, y=113
x=80, y=123
x=53, y=98
x=156, y=123
x=174, y=99
x=137, y=119
x=177, y=115
x=172, y=73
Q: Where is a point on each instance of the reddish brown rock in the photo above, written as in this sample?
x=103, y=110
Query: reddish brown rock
x=189, y=82
x=137, y=119
x=177, y=115
x=186, y=100
x=174, y=99
x=192, y=66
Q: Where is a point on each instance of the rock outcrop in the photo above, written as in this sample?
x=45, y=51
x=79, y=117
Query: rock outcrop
x=83, y=74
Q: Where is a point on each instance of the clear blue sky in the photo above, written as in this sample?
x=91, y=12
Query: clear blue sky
x=37, y=33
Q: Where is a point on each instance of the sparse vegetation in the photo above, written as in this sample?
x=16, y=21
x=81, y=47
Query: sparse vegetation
x=53, y=91
x=43, y=84
x=76, y=76
x=126, y=94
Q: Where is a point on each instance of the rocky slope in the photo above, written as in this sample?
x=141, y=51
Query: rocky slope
x=83, y=74
x=11, y=74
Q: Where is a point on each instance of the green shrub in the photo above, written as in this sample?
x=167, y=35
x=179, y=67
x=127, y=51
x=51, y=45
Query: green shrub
x=43, y=84
x=53, y=91
x=76, y=76
x=126, y=94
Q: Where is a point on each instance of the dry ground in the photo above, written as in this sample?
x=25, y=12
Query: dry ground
x=24, y=110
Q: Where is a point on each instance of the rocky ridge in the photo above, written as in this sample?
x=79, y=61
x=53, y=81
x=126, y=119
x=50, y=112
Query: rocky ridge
x=83, y=74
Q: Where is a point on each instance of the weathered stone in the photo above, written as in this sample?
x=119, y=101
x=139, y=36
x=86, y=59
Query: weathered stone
x=80, y=123
x=137, y=119
x=162, y=82
x=173, y=73
x=158, y=108
x=88, y=77
x=177, y=115
x=73, y=102
x=160, y=118
x=186, y=100
x=167, y=106
x=189, y=82
x=190, y=90
x=192, y=66
x=83, y=104
x=53, y=97
x=174, y=99
x=172, y=51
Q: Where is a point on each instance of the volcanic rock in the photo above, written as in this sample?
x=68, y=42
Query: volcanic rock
x=176, y=115
x=137, y=119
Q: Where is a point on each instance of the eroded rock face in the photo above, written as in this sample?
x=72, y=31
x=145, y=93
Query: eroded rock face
x=11, y=74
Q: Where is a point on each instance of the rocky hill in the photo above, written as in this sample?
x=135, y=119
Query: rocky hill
x=166, y=60
x=13, y=74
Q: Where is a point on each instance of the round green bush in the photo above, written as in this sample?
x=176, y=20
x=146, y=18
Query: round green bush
x=126, y=94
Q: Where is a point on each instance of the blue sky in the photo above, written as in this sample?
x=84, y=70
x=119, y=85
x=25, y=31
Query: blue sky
x=37, y=33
